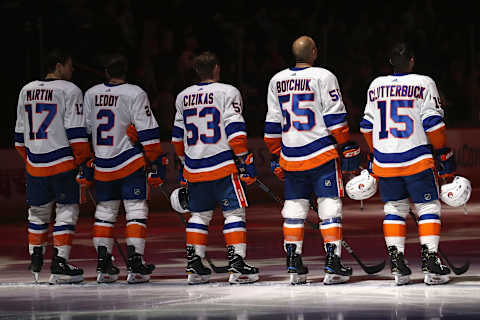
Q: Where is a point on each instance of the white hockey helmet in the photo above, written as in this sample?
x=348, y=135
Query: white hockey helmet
x=179, y=200
x=362, y=186
x=456, y=193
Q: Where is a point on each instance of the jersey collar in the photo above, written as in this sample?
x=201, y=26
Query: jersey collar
x=298, y=69
x=399, y=74
x=204, y=83
x=113, y=84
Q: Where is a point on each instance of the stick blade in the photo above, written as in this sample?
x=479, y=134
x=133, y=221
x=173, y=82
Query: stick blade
x=374, y=269
x=462, y=269
x=222, y=269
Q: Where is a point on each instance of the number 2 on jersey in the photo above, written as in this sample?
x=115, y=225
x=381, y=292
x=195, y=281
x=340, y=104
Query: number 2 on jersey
x=213, y=124
x=104, y=127
x=298, y=111
x=51, y=110
x=397, y=118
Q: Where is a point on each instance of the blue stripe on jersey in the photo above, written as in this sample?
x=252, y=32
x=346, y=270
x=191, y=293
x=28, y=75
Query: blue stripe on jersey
x=431, y=121
x=49, y=156
x=197, y=226
x=234, y=127
x=401, y=156
x=393, y=217
x=331, y=220
x=177, y=132
x=429, y=216
x=273, y=128
x=74, y=133
x=309, y=148
x=115, y=161
x=233, y=225
x=64, y=227
x=35, y=226
x=18, y=137
x=148, y=134
x=365, y=124
x=208, y=162
x=334, y=119
x=294, y=221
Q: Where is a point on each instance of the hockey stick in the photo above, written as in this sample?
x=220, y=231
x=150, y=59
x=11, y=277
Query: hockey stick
x=368, y=269
x=457, y=271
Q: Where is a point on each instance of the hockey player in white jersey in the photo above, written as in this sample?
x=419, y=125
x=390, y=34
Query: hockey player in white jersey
x=50, y=135
x=209, y=136
x=305, y=121
x=119, y=164
x=403, y=120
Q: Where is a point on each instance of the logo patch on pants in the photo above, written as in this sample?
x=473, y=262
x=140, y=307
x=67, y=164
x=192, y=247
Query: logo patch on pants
x=328, y=183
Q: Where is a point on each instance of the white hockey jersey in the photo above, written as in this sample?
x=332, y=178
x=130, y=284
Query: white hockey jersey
x=401, y=110
x=50, y=122
x=110, y=110
x=306, y=117
x=208, y=130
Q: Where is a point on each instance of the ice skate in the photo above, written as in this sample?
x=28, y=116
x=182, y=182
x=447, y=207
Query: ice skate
x=399, y=267
x=240, y=272
x=298, y=272
x=62, y=272
x=335, y=272
x=36, y=262
x=435, y=272
x=197, y=272
x=138, y=270
x=106, y=271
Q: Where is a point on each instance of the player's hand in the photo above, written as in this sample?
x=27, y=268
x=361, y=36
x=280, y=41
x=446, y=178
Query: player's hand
x=132, y=134
x=350, y=155
x=445, y=163
x=276, y=169
x=158, y=171
x=181, y=179
x=85, y=174
x=246, y=168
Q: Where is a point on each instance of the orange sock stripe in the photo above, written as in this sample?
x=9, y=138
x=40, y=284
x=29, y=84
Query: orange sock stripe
x=429, y=229
x=235, y=237
x=293, y=234
x=196, y=238
x=332, y=234
x=136, y=231
x=394, y=230
x=64, y=239
x=102, y=232
x=37, y=239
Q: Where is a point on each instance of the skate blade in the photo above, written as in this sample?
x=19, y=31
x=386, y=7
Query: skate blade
x=238, y=278
x=433, y=279
x=194, y=278
x=106, y=278
x=64, y=279
x=137, y=278
x=401, y=280
x=334, y=278
x=296, y=278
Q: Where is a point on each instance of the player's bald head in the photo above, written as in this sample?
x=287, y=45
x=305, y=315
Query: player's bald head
x=304, y=50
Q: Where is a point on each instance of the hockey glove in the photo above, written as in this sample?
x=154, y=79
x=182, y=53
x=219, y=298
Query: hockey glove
x=446, y=164
x=350, y=153
x=158, y=171
x=132, y=134
x=275, y=167
x=85, y=178
x=246, y=168
x=181, y=179
x=370, y=163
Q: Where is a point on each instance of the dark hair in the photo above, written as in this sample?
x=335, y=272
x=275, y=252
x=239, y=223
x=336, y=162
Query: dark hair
x=55, y=56
x=400, y=55
x=116, y=64
x=204, y=64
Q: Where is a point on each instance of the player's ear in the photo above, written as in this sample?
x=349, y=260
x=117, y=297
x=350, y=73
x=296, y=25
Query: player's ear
x=390, y=61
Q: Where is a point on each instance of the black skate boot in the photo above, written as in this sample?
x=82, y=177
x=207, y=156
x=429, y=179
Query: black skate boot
x=335, y=271
x=138, y=270
x=62, y=272
x=435, y=272
x=240, y=272
x=296, y=269
x=106, y=271
x=197, y=272
x=398, y=266
x=36, y=262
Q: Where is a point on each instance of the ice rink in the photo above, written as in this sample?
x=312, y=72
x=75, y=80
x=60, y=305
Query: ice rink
x=168, y=296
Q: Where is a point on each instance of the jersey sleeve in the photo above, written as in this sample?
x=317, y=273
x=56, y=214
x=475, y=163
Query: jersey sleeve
x=366, y=124
x=334, y=112
x=432, y=115
x=147, y=126
x=234, y=123
x=75, y=125
x=273, y=122
x=19, y=136
x=178, y=130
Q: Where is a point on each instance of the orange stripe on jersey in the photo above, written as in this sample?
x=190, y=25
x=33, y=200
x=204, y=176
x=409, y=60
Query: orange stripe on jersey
x=103, y=232
x=331, y=234
x=23, y=152
x=210, y=175
x=420, y=166
x=274, y=145
x=196, y=238
x=179, y=148
x=310, y=163
x=64, y=239
x=152, y=151
x=37, y=239
x=235, y=237
x=121, y=173
x=293, y=234
x=437, y=138
x=429, y=229
x=394, y=230
x=50, y=171
x=81, y=151
x=369, y=139
x=135, y=231
x=238, y=144
x=341, y=134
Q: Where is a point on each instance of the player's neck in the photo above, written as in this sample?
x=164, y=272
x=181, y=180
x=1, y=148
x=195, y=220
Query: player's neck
x=303, y=65
x=53, y=76
x=116, y=80
x=207, y=80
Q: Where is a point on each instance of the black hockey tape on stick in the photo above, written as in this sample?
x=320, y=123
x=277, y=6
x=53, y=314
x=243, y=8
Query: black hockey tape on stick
x=457, y=271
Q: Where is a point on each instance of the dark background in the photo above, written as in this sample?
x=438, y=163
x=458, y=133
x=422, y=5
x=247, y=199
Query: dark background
x=252, y=39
